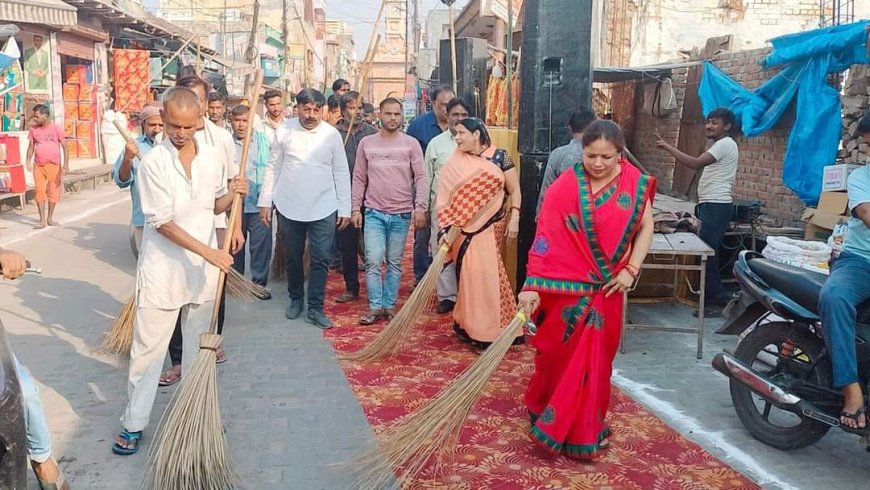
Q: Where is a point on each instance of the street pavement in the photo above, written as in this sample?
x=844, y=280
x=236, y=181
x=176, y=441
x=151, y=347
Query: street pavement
x=290, y=416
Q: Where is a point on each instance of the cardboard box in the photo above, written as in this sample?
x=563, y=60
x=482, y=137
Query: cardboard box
x=86, y=111
x=86, y=93
x=76, y=74
x=834, y=202
x=820, y=225
x=836, y=176
x=70, y=111
x=71, y=147
x=70, y=92
x=69, y=128
x=86, y=148
x=84, y=130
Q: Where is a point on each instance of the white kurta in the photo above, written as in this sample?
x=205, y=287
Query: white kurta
x=222, y=141
x=169, y=276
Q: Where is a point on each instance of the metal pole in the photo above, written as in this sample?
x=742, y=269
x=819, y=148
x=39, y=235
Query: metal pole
x=453, y=47
x=509, y=62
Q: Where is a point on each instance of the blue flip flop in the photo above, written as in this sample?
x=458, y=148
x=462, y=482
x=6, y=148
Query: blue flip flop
x=128, y=437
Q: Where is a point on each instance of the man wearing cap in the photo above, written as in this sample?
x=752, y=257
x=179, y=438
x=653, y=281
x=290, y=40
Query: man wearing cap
x=124, y=172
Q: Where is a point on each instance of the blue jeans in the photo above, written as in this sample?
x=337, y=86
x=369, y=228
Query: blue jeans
x=320, y=235
x=385, y=237
x=845, y=289
x=715, y=218
x=259, y=239
x=38, y=435
x=422, y=256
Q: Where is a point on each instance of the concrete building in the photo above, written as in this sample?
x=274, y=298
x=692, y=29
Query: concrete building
x=389, y=70
x=436, y=28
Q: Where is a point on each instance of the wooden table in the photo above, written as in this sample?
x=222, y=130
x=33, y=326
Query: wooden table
x=671, y=248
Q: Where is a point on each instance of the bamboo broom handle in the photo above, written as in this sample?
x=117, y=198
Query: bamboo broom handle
x=365, y=78
x=237, y=199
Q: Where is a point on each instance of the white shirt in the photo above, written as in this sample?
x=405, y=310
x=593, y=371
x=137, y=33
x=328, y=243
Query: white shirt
x=438, y=152
x=717, y=179
x=169, y=276
x=268, y=126
x=222, y=142
x=307, y=177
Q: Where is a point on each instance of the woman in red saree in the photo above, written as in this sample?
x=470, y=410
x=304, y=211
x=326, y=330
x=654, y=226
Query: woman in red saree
x=472, y=189
x=594, y=231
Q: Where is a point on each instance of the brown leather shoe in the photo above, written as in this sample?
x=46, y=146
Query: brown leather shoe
x=347, y=297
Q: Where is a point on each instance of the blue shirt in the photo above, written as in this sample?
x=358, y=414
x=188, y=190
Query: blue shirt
x=145, y=144
x=858, y=239
x=424, y=128
x=258, y=157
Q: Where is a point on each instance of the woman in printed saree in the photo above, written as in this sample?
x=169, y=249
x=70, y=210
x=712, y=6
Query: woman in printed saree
x=473, y=187
x=594, y=231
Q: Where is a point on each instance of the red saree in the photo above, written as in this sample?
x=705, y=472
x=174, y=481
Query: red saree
x=582, y=242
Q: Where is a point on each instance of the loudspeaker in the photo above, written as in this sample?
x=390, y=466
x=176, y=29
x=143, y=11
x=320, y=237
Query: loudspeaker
x=555, y=70
x=556, y=79
x=471, y=57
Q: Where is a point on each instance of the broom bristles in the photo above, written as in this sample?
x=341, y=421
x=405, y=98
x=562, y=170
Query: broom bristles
x=393, y=335
x=243, y=288
x=190, y=449
x=410, y=443
x=119, y=338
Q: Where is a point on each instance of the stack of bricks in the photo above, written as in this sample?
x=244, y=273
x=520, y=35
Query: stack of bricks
x=856, y=101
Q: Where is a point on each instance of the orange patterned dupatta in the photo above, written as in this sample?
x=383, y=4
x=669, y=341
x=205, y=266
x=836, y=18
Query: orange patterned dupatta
x=582, y=242
x=471, y=192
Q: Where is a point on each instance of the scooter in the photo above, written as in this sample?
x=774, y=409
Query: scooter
x=780, y=373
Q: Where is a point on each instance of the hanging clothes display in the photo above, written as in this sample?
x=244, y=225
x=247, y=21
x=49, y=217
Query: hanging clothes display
x=132, y=71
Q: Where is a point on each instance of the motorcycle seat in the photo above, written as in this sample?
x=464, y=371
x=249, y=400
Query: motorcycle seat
x=801, y=285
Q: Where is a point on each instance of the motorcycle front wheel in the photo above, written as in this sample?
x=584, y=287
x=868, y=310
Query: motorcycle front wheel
x=761, y=349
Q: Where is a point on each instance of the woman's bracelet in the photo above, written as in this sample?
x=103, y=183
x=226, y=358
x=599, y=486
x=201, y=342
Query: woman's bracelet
x=634, y=271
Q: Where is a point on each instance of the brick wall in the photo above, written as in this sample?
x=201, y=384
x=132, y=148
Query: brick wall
x=657, y=161
x=759, y=174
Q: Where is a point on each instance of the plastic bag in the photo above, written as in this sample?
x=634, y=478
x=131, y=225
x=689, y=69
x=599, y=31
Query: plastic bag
x=813, y=256
x=835, y=241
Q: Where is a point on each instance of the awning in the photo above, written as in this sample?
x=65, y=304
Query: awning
x=611, y=74
x=51, y=12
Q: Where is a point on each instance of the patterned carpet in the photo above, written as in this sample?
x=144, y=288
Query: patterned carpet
x=494, y=450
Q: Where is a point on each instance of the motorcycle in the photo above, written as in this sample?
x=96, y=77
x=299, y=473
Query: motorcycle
x=780, y=372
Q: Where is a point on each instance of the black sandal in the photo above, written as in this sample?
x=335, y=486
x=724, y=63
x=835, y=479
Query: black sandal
x=854, y=416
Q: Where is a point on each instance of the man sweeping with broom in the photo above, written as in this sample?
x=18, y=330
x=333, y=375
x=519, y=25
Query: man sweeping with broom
x=181, y=191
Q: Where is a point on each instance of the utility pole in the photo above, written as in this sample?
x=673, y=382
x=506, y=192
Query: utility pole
x=509, y=68
x=285, y=32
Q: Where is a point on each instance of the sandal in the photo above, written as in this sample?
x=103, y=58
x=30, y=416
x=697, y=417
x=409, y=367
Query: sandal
x=389, y=314
x=169, y=379
x=854, y=416
x=59, y=484
x=129, y=437
x=371, y=317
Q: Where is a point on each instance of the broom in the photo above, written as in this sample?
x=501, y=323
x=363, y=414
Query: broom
x=191, y=450
x=410, y=443
x=391, y=337
x=279, y=270
x=119, y=338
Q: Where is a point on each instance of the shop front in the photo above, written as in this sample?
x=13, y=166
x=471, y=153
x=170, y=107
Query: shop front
x=78, y=95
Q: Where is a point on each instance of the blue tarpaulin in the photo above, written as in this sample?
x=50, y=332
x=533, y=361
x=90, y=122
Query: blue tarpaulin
x=806, y=59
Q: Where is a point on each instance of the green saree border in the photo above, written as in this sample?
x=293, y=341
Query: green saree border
x=587, y=212
x=644, y=188
x=576, y=451
x=560, y=287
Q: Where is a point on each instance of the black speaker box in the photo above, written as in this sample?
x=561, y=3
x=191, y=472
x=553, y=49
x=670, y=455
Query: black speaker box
x=471, y=57
x=556, y=79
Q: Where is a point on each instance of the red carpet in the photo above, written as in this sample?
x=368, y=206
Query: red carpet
x=494, y=450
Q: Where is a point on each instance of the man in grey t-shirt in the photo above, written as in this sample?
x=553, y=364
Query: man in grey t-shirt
x=714, y=209
x=564, y=157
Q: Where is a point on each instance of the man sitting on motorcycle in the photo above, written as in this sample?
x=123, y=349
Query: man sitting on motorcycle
x=845, y=289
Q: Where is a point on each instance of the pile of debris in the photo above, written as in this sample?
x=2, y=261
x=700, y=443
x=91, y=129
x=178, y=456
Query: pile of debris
x=856, y=101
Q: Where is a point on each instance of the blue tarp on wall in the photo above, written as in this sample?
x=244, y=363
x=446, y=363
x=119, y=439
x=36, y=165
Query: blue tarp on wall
x=806, y=59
